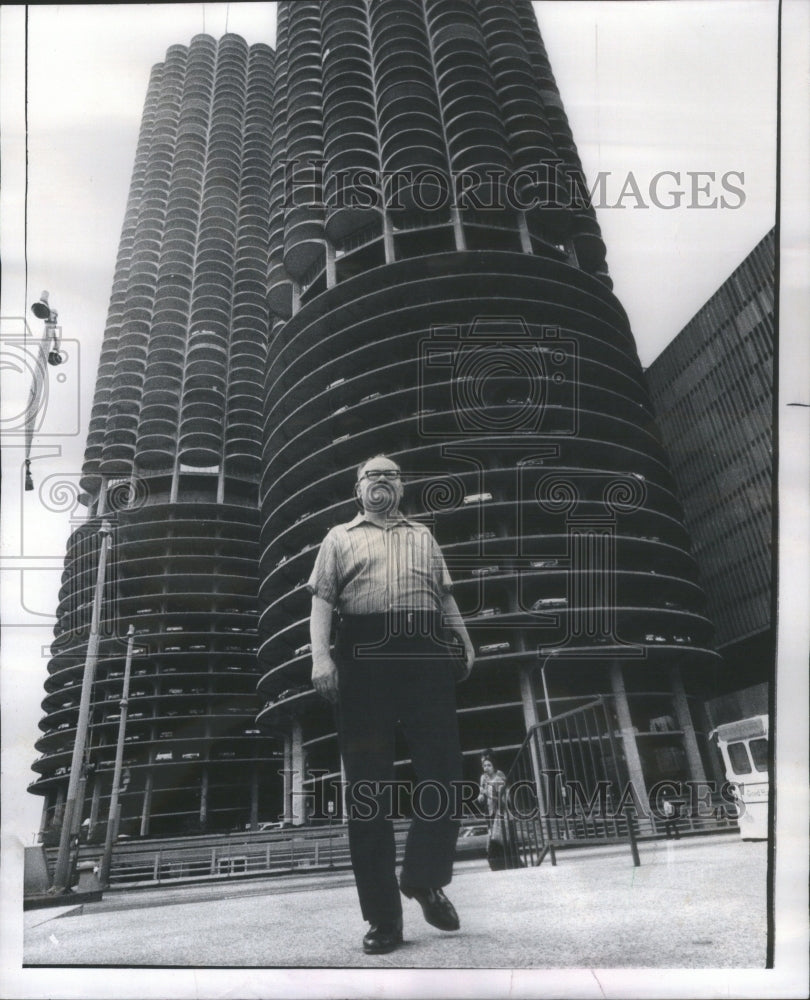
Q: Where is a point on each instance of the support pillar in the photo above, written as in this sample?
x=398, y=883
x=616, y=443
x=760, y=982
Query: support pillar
x=523, y=230
x=146, y=809
x=288, y=783
x=204, y=799
x=43, y=818
x=95, y=800
x=458, y=229
x=59, y=806
x=628, y=732
x=298, y=801
x=329, y=256
x=254, y=798
x=696, y=770
x=537, y=746
x=388, y=239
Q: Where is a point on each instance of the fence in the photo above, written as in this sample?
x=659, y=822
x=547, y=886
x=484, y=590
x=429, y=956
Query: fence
x=569, y=785
x=157, y=866
x=565, y=783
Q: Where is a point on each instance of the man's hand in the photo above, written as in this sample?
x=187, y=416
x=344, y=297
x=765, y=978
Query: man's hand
x=469, y=657
x=325, y=677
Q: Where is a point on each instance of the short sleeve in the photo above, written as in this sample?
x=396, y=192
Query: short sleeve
x=323, y=581
x=441, y=574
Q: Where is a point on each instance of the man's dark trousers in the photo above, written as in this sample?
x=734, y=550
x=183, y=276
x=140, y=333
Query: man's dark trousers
x=385, y=676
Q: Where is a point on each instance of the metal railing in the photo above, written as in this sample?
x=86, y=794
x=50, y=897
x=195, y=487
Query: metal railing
x=569, y=785
x=295, y=854
x=566, y=783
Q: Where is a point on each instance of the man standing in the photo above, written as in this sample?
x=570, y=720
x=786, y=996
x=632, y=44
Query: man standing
x=386, y=577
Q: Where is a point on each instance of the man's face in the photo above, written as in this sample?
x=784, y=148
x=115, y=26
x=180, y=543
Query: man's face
x=379, y=487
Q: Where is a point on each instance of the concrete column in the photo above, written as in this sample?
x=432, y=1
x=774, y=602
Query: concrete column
x=537, y=747
x=43, y=816
x=458, y=229
x=146, y=809
x=523, y=230
x=254, y=797
x=388, y=239
x=175, y=487
x=204, y=798
x=296, y=298
x=297, y=776
x=95, y=800
x=331, y=273
x=288, y=810
x=59, y=806
x=696, y=770
x=529, y=697
x=628, y=732
x=715, y=760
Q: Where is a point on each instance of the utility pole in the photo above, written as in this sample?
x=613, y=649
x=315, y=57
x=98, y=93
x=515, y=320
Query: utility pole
x=62, y=872
x=114, y=813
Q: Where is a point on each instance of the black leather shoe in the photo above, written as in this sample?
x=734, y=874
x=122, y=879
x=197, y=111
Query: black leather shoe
x=383, y=937
x=437, y=908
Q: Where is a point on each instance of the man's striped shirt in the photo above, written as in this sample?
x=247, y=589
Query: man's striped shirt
x=363, y=568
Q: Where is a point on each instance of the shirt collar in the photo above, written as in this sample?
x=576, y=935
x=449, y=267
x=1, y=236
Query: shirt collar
x=360, y=518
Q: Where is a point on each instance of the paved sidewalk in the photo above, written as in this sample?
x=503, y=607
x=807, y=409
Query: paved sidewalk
x=694, y=903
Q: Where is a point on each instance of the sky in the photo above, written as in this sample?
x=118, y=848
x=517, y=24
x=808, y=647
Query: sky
x=685, y=87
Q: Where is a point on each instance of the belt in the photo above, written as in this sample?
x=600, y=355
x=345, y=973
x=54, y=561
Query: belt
x=392, y=626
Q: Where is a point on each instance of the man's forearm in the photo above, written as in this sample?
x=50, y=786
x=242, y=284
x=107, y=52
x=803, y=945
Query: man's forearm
x=452, y=617
x=320, y=626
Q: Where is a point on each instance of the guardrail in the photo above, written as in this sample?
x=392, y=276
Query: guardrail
x=567, y=787
x=229, y=860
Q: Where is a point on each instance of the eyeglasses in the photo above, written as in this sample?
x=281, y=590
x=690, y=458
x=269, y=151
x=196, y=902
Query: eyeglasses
x=376, y=474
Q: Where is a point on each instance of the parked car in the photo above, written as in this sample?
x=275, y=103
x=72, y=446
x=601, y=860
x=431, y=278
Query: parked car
x=485, y=570
x=290, y=692
x=549, y=602
x=494, y=647
x=472, y=840
x=472, y=498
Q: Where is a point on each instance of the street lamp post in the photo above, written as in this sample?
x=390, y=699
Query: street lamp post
x=50, y=351
x=114, y=814
x=61, y=876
